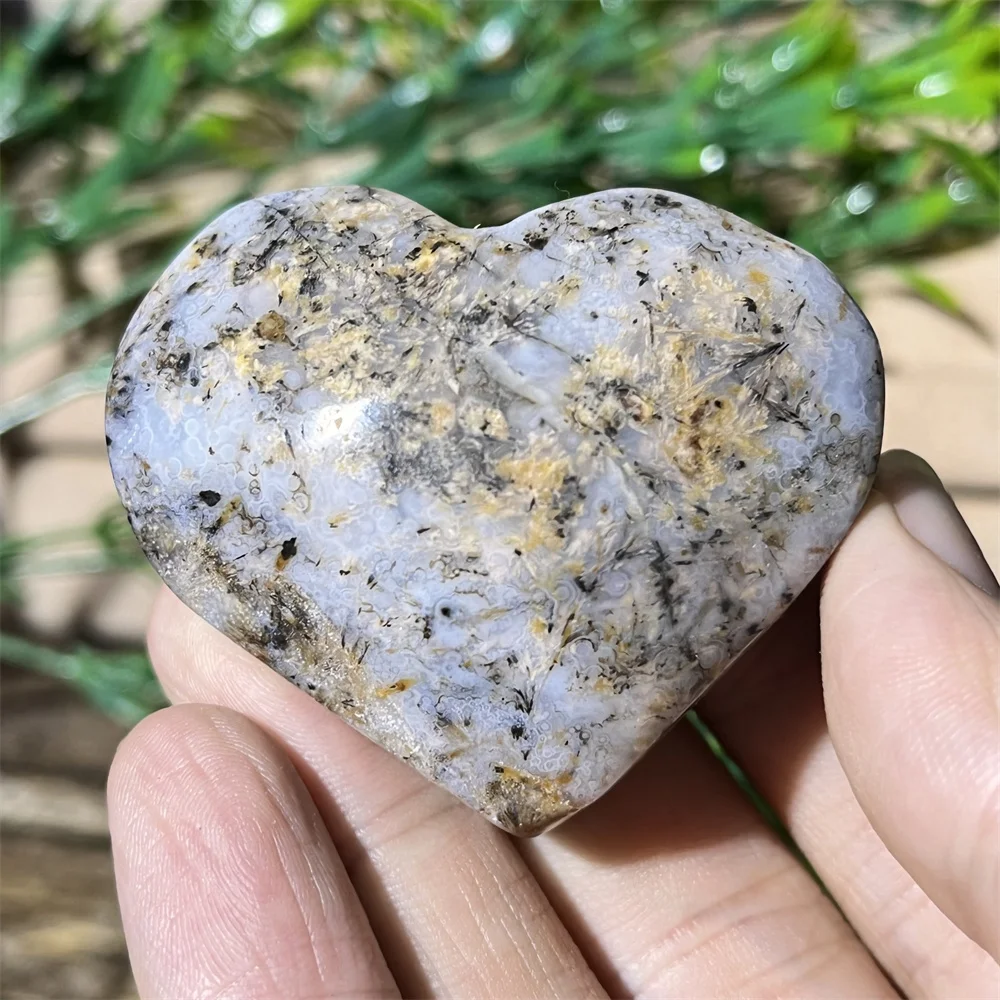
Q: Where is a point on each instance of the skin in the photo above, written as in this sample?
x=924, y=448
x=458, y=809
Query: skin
x=264, y=849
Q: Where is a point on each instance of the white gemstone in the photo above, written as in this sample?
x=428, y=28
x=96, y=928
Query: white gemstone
x=508, y=499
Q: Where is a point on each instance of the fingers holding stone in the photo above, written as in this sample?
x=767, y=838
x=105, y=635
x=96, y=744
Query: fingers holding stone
x=910, y=658
x=675, y=886
x=229, y=883
x=768, y=713
x=452, y=903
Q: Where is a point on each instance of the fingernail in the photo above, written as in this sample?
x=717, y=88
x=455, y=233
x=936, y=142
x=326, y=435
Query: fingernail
x=929, y=514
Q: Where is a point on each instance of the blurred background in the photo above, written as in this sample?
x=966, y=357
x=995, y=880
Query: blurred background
x=864, y=132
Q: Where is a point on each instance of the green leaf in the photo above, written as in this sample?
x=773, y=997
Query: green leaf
x=120, y=683
x=19, y=68
x=973, y=100
x=107, y=544
x=159, y=78
x=72, y=385
x=981, y=169
x=82, y=312
x=18, y=243
x=905, y=220
x=742, y=780
x=546, y=146
x=935, y=294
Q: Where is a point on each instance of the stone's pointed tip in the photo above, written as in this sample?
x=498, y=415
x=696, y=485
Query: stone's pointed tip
x=527, y=819
x=514, y=494
x=528, y=832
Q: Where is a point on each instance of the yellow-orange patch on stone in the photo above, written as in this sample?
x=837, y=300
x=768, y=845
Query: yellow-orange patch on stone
x=271, y=326
x=540, y=474
x=513, y=774
x=442, y=417
x=541, y=534
x=395, y=687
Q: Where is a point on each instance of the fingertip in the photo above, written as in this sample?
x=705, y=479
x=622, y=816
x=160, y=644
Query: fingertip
x=898, y=463
x=927, y=511
x=228, y=881
x=909, y=671
x=172, y=739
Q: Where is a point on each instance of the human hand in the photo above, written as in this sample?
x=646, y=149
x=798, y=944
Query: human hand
x=264, y=849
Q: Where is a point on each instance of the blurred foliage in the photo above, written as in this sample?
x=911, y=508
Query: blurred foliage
x=864, y=132
x=119, y=682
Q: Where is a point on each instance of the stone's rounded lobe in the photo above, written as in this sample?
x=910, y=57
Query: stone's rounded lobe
x=507, y=500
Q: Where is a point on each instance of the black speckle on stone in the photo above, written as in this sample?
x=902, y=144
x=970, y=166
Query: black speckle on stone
x=662, y=201
x=309, y=285
x=517, y=730
x=477, y=314
x=208, y=497
x=288, y=548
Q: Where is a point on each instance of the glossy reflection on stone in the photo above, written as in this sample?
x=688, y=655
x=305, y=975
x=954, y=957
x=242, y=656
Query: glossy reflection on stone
x=507, y=500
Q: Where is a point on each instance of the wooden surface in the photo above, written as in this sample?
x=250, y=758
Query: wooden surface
x=62, y=936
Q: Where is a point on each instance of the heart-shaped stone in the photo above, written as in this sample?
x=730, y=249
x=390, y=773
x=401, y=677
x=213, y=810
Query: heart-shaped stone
x=507, y=500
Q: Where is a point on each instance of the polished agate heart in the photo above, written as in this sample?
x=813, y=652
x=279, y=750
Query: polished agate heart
x=506, y=500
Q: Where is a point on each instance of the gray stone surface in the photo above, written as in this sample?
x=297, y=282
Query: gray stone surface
x=507, y=500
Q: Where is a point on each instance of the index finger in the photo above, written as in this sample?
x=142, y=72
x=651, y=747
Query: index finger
x=228, y=881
